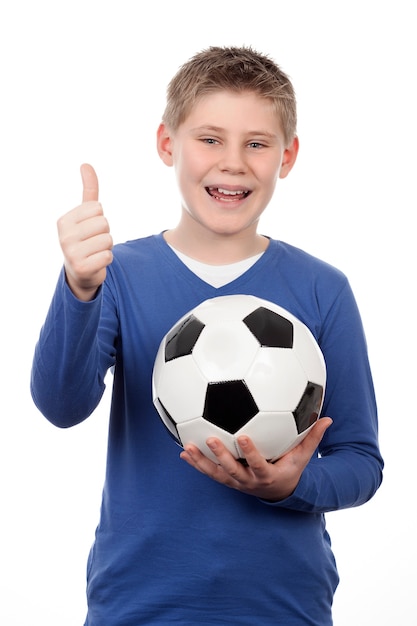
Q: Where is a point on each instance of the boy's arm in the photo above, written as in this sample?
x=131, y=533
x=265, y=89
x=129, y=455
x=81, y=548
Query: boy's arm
x=70, y=359
x=300, y=480
x=69, y=365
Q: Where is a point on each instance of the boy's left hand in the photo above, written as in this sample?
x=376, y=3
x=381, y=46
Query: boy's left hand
x=268, y=481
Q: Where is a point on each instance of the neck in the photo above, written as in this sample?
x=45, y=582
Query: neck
x=216, y=249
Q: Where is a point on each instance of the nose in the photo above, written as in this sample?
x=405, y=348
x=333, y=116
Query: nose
x=232, y=159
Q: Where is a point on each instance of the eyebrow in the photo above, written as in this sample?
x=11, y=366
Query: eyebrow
x=218, y=129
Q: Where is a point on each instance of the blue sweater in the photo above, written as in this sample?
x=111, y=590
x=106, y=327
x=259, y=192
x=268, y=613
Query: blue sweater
x=172, y=546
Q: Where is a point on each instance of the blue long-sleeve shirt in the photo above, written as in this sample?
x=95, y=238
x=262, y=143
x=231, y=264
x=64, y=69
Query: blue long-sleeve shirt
x=173, y=546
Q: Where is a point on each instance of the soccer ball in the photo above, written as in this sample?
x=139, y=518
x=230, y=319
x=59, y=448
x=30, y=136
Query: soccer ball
x=239, y=365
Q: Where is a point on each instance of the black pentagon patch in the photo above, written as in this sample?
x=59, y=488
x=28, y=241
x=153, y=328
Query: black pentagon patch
x=171, y=419
x=270, y=329
x=307, y=411
x=181, y=340
x=229, y=405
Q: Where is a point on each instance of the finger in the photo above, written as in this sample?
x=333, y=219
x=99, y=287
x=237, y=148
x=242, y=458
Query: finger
x=194, y=457
x=90, y=183
x=96, y=225
x=253, y=458
x=225, y=459
x=311, y=442
x=220, y=470
x=98, y=244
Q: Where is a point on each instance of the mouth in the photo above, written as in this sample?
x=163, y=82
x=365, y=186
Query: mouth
x=228, y=195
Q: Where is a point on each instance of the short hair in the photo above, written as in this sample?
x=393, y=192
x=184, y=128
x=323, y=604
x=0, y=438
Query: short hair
x=235, y=69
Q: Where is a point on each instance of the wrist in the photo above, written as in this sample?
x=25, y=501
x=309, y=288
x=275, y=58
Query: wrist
x=85, y=294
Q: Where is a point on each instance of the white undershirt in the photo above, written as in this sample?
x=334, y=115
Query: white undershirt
x=217, y=275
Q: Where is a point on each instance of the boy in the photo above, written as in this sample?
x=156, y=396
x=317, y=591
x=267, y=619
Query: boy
x=228, y=543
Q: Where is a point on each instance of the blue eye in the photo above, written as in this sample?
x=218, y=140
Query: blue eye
x=255, y=144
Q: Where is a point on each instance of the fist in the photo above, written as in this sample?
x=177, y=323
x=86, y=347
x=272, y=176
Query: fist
x=85, y=239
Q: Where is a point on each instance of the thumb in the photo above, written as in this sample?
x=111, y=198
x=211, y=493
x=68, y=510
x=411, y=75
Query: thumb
x=90, y=183
x=316, y=434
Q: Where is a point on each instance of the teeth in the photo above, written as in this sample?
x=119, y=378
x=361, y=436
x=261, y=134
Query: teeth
x=228, y=192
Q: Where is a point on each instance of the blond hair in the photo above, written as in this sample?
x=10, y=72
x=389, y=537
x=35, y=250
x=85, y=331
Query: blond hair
x=235, y=69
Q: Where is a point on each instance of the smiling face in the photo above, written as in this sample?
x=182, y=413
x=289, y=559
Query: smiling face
x=228, y=155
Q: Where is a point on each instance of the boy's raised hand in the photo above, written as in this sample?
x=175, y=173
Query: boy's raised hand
x=85, y=240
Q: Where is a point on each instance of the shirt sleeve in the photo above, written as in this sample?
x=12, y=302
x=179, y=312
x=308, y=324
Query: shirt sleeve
x=347, y=469
x=72, y=357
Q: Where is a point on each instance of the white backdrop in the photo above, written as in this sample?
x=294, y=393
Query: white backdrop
x=84, y=80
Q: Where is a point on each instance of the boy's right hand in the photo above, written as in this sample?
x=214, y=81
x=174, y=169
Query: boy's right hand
x=85, y=239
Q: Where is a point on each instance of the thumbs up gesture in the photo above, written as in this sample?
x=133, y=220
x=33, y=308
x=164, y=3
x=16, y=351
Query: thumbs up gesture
x=85, y=239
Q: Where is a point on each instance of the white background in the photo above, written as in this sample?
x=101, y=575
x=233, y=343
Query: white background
x=85, y=81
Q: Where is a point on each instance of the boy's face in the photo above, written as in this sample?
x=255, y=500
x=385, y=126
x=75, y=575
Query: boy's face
x=228, y=155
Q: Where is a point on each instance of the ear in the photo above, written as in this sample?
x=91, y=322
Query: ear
x=289, y=157
x=164, y=144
